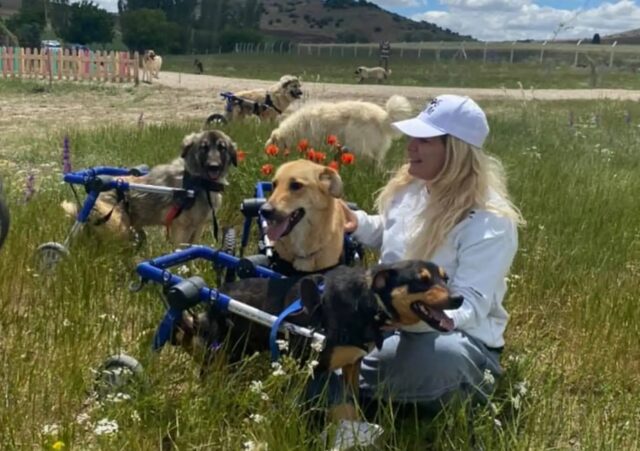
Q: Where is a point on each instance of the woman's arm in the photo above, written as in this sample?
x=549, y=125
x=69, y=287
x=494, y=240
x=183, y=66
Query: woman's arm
x=485, y=253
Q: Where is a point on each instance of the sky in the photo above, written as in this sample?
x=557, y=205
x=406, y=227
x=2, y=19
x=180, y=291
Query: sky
x=501, y=20
x=505, y=20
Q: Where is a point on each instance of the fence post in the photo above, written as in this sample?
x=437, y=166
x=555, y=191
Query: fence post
x=342, y=50
x=420, y=50
x=401, y=51
x=355, y=50
x=370, y=50
x=513, y=45
x=438, y=51
x=330, y=49
x=484, y=53
x=611, y=55
x=542, y=51
x=575, y=60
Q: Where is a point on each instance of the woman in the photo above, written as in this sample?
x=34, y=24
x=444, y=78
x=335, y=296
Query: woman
x=448, y=204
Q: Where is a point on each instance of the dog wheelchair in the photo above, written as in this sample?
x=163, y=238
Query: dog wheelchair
x=96, y=180
x=181, y=294
x=249, y=107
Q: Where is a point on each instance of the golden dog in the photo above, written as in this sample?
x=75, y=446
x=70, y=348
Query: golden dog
x=273, y=101
x=304, y=215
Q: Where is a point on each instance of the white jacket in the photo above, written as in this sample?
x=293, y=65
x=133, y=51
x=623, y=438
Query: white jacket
x=476, y=255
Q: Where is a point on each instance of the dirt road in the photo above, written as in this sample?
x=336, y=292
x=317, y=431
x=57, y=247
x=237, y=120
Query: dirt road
x=333, y=91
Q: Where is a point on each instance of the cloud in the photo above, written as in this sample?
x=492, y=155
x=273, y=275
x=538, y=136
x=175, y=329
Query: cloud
x=109, y=5
x=522, y=19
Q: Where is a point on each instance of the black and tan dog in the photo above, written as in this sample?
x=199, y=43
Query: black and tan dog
x=203, y=166
x=350, y=311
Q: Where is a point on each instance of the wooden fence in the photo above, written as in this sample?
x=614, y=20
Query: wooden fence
x=65, y=64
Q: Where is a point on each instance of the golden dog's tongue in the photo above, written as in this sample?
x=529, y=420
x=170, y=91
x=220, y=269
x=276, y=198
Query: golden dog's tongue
x=275, y=230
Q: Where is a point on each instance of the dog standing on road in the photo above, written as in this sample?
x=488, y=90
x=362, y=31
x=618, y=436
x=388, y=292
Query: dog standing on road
x=377, y=73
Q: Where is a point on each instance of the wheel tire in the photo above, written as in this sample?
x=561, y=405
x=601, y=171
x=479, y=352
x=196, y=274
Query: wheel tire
x=217, y=119
x=117, y=372
x=228, y=246
x=4, y=220
x=48, y=256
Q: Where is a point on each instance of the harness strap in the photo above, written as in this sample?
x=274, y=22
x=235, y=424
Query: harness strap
x=270, y=103
x=295, y=307
x=120, y=198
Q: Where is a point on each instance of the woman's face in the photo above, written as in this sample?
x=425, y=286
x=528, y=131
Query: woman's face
x=426, y=157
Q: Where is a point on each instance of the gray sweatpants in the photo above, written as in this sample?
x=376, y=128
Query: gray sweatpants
x=429, y=368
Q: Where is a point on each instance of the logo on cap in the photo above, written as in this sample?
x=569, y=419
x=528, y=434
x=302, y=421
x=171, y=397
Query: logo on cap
x=431, y=106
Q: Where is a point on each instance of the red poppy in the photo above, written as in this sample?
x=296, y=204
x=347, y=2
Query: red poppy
x=348, y=158
x=332, y=140
x=241, y=155
x=334, y=165
x=266, y=169
x=272, y=150
x=303, y=145
x=320, y=157
x=311, y=154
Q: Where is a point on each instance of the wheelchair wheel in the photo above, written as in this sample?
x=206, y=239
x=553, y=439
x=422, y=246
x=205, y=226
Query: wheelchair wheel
x=228, y=246
x=216, y=119
x=117, y=372
x=48, y=255
x=4, y=220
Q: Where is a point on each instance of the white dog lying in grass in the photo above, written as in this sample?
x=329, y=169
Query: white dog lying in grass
x=378, y=73
x=364, y=127
x=151, y=65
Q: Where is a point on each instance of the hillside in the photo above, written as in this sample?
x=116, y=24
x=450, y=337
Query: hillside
x=344, y=21
x=626, y=37
x=9, y=7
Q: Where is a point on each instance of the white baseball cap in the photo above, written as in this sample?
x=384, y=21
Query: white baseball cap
x=448, y=115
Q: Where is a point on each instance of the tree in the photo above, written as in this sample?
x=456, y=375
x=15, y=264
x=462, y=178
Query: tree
x=144, y=29
x=88, y=23
x=596, y=39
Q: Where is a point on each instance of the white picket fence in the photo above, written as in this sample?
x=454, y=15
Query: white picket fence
x=511, y=52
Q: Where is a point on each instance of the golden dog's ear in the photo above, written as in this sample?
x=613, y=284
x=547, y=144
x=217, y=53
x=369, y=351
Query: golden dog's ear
x=188, y=142
x=332, y=181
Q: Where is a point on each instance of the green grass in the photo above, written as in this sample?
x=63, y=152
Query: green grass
x=407, y=71
x=572, y=338
x=36, y=87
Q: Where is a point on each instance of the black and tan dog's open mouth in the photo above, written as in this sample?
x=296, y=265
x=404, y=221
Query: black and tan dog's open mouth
x=296, y=94
x=277, y=229
x=433, y=317
x=214, y=171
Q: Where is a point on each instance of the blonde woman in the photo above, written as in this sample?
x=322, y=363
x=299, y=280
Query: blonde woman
x=448, y=204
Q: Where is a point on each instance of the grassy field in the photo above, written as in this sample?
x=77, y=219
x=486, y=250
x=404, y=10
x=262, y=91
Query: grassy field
x=408, y=71
x=572, y=359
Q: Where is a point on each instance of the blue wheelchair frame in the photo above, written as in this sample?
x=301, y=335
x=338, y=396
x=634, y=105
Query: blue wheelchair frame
x=189, y=292
x=95, y=181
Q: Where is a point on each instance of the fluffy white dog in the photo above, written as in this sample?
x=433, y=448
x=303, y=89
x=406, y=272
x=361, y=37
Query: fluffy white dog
x=151, y=65
x=378, y=73
x=364, y=127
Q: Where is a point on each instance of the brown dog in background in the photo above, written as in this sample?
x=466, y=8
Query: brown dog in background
x=203, y=166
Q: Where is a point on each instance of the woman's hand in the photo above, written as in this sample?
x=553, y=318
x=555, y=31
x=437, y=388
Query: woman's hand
x=350, y=218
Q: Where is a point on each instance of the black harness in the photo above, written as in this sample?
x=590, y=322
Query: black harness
x=256, y=108
x=183, y=202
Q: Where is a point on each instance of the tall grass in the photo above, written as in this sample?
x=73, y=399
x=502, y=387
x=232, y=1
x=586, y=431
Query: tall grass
x=572, y=360
x=406, y=71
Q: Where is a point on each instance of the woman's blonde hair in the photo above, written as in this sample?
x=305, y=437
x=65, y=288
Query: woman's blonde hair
x=470, y=179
